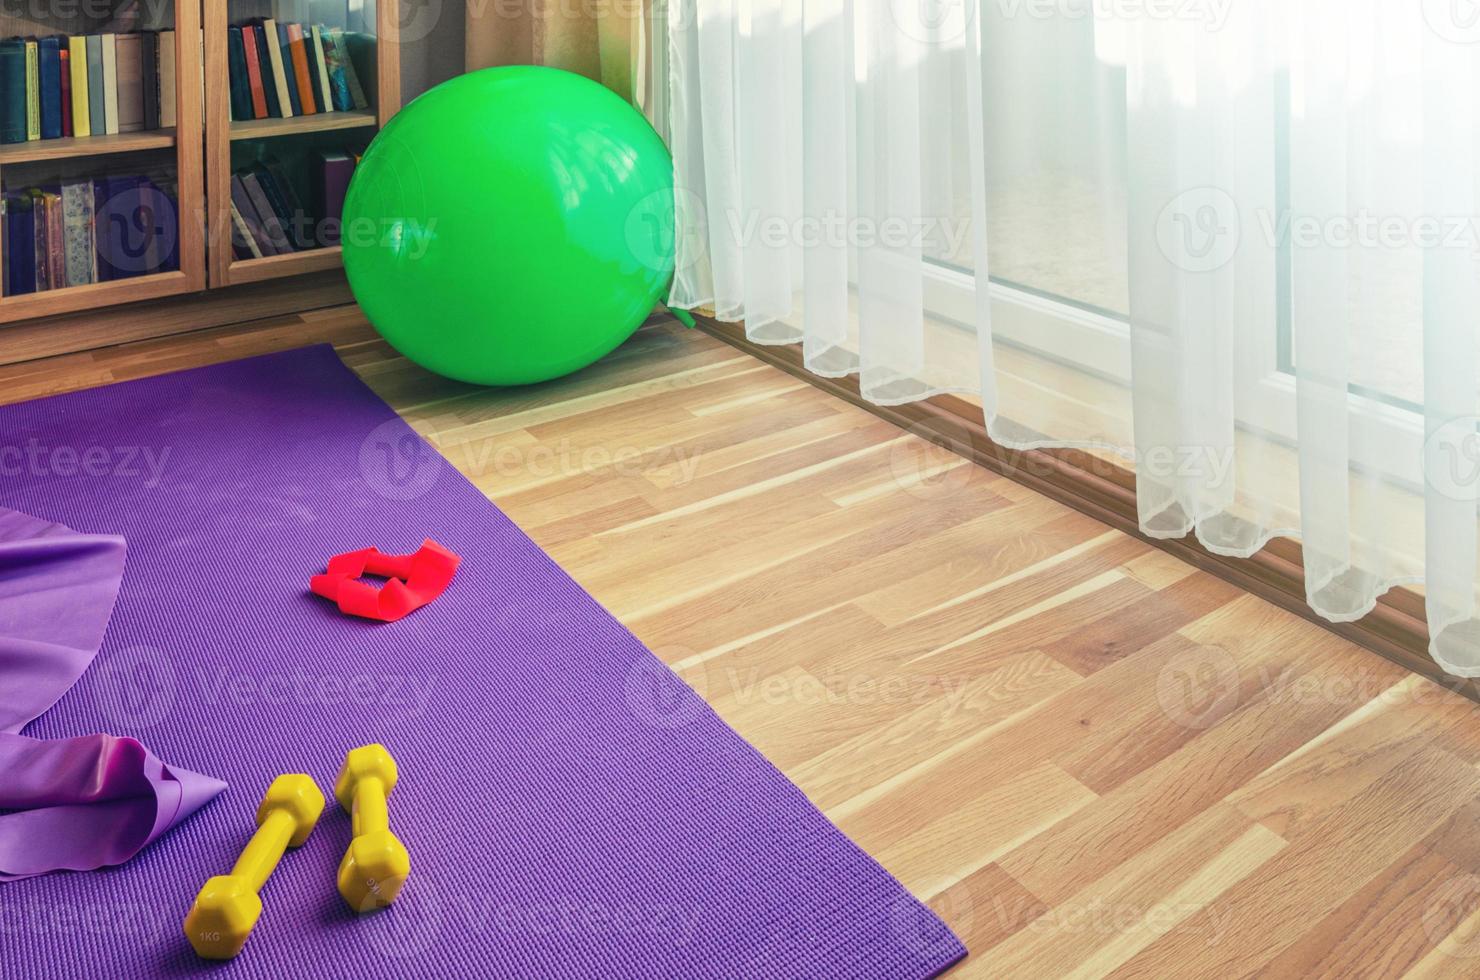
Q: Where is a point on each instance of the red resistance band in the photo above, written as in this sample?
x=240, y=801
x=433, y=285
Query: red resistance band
x=412, y=581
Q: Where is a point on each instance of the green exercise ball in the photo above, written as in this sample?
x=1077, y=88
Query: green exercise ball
x=511, y=226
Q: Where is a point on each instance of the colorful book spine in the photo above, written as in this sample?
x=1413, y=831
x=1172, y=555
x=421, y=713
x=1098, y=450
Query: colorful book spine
x=320, y=65
x=110, y=84
x=285, y=47
x=167, y=99
x=299, y=219
x=272, y=222
x=33, y=91
x=338, y=82
x=64, y=58
x=149, y=83
x=77, y=232
x=56, y=241
x=275, y=58
x=40, y=257
x=241, y=92
x=81, y=122
x=96, y=114
x=331, y=182
x=264, y=69
x=49, y=55
x=242, y=202
x=20, y=238
x=242, y=243
x=301, y=71
x=129, y=80
x=254, y=72
x=12, y=91
x=345, y=44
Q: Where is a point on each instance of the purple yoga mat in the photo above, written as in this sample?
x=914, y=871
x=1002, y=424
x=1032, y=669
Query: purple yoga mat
x=572, y=809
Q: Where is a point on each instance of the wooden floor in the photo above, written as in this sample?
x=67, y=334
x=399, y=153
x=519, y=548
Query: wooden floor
x=1091, y=759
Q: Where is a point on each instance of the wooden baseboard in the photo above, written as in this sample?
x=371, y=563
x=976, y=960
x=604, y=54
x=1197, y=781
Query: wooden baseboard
x=1396, y=629
x=66, y=334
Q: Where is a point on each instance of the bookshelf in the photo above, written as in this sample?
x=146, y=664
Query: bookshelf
x=173, y=155
x=288, y=144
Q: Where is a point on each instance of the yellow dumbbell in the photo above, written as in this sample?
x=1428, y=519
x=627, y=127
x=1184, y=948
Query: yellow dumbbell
x=376, y=864
x=228, y=907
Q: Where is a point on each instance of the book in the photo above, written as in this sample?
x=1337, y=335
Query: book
x=121, y=238
x=324, y=97
x=33, y=90
x=149, y=83
x=20, y=234
x=264, y=69
x=285, y=48
x=77, y=232
x=98, y=121
x=332, y=171
x=241, y=92
x=342, y=45
x=300, y=226
x=292, y=220
x=242, y=243
x=56, y=246
x=242, y=202
x=272, y=222
x=12, y=91
x=300, y=71
x=77, y=48
x=41, y=259
x=110, y=83
x=254, y=72
x=64, y=61
x=130, y=65
x=334, y=59
x=275, y=59
x=167, y=101
x=49, y=55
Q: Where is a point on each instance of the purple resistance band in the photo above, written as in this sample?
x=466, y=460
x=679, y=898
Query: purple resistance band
x=76, y=803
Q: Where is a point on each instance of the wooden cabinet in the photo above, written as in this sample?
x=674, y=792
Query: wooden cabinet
x=290, y=142
x=196, y=160
x=173, y=155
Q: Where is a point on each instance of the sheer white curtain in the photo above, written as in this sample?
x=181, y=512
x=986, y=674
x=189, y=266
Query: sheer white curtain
x=1244, y=232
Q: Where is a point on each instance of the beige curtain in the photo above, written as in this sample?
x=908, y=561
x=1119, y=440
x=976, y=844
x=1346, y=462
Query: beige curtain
x=601, y=39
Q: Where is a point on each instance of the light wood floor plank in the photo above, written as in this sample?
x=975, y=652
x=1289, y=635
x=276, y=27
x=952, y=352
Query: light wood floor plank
x=1090, y=758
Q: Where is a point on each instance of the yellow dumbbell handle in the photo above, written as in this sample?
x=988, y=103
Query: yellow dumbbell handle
x=265, y=849
x=370, y=813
